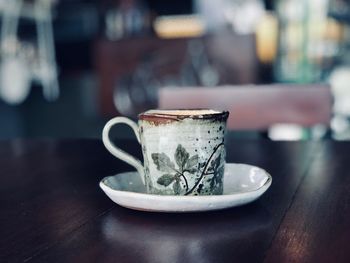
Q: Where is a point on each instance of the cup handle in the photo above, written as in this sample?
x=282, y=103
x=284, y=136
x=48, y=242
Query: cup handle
x=116, y=151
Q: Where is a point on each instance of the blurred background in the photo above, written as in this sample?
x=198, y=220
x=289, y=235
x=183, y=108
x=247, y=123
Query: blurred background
x=282, y=67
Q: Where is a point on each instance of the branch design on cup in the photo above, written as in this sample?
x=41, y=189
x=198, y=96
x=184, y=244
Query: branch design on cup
x=212, y=166
x=188, y=165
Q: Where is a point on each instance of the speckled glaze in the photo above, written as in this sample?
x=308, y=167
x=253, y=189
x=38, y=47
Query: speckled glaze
x=183, y=153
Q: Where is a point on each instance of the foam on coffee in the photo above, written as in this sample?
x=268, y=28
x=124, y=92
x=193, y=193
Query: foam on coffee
x=183, y=112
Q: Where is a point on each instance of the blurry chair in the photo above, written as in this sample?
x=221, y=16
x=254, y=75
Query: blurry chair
x=257, y=107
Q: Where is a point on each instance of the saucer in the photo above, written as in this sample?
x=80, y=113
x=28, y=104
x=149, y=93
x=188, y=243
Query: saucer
x=243, y=184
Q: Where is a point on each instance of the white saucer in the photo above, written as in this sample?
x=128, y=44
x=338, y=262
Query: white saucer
x=242, y=184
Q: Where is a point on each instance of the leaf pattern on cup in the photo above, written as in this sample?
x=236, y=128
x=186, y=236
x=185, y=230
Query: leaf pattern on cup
x=176, y=174
x=218, y=172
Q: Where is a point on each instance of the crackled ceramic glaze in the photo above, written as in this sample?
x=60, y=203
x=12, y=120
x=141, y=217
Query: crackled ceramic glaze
x=183, y=151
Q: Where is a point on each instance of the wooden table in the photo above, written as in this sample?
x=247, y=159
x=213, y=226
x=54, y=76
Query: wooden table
x=52, y=210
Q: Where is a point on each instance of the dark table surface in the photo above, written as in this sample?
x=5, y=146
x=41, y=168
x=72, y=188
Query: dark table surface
x=52, y=210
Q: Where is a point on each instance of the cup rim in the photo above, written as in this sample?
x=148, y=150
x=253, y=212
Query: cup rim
x=156, y=114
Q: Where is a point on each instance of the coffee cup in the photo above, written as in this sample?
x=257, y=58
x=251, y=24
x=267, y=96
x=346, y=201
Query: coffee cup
x=183, y=150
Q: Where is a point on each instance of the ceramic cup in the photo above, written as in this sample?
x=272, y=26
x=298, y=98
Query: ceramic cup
x=183, y=150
